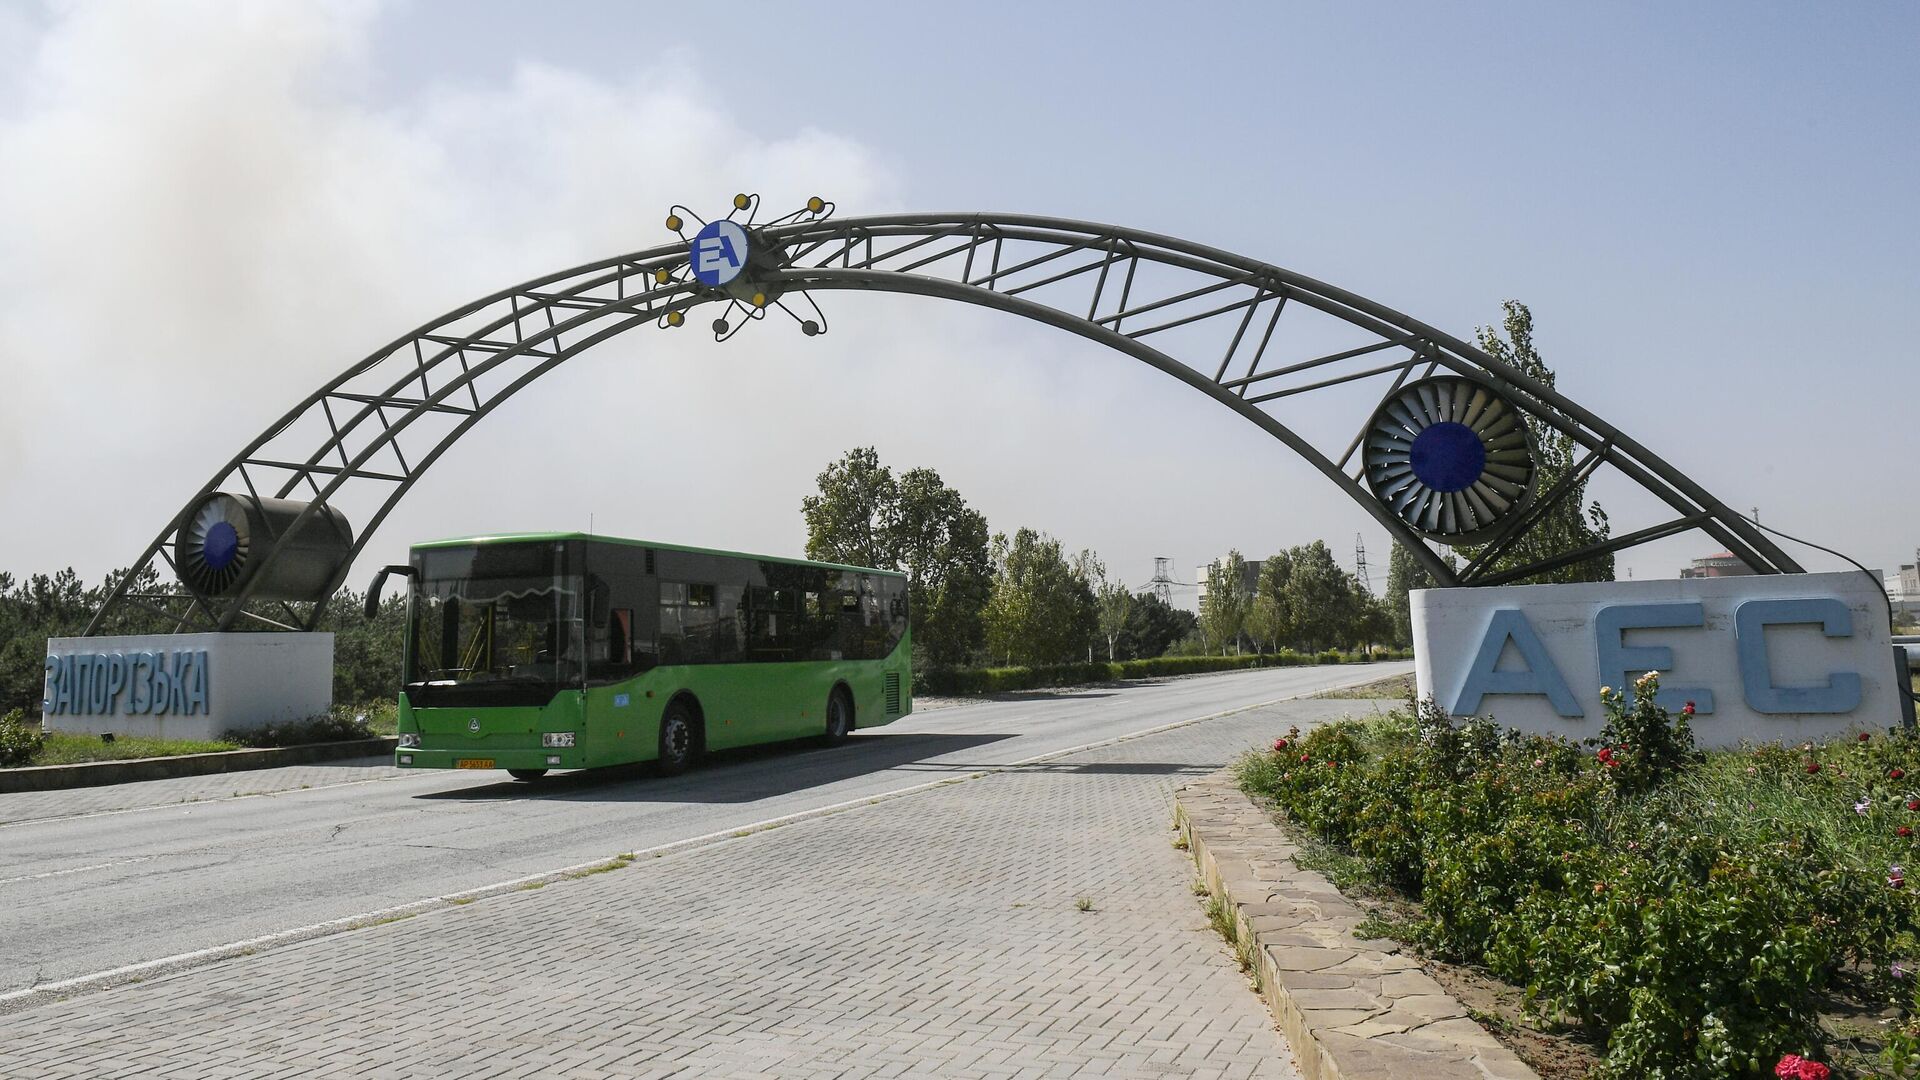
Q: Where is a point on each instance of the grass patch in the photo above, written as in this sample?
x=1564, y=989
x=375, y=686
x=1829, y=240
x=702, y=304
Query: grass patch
x=1392, y=688
x=65, y=748
x=618, y=862
x=1220, y=917
x=22, y=743
x=390, y=919
x=344, y=723
x=1013, y=679
x=1084, y=903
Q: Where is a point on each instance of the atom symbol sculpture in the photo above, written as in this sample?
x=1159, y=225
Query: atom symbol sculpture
x=730, y=258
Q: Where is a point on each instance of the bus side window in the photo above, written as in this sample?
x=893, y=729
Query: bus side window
x=620, y=627
x=673, y=641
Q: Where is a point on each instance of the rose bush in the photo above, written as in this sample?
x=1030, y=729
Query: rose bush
x=1693, y=909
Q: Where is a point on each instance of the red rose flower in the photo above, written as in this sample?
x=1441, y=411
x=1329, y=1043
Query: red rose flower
x=1687, y=708
x=1306, y=757
x=1896, y=773
x=1279, y=745
x=1795, y=1067
x=1904, y=830
x=1913, y=804
x=1864, y=736
x=1813, y=767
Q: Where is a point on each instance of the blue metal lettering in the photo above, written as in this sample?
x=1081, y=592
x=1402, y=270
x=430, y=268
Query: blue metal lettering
x=136, y=682
x=116, y=680
x=52, y=691
x=177, y=684
x=1542, y=676
x=1620, y=665
x=197, y=687
x=162, y=686
x=1839, y=694
x=83, y=664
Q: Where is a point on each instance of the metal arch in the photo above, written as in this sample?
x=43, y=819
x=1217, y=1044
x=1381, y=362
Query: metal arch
x=461, y=366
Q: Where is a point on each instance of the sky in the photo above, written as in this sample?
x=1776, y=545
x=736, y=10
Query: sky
x=208, y=209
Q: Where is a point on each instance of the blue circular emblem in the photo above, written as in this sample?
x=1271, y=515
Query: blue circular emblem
x=1448, y=456
x=719, y=253
x=222, y=543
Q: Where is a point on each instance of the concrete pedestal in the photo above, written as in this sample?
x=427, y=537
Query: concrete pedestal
x=185, y=686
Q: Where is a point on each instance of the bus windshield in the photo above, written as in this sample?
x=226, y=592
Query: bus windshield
x=495, y=624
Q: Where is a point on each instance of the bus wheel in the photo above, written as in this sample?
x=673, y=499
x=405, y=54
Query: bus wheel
x=839, y=717
x=679, y=741
x=526, y=774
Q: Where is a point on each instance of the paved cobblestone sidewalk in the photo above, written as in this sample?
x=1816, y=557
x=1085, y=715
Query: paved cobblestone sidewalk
x=937, y=934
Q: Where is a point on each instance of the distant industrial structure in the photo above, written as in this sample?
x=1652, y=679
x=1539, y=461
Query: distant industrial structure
x=1903, y=587
x=1249, y=577
x=1719, y=564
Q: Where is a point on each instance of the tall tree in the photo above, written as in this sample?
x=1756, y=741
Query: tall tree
x=1404, y=574
x=1320, y=596
x=1573, y=522
x=1042, y=609
x=1153, y=626
x=915, y=524
x=851, y=520
x=1224, y=611
x=1111, y=600
x=1269, y=620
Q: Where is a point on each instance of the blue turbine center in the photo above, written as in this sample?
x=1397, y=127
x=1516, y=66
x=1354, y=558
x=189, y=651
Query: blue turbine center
x=222, y=543
x=1448, y=456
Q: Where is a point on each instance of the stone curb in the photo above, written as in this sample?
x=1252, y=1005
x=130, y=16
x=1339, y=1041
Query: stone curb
x=1353, y=1008
x=94, y=773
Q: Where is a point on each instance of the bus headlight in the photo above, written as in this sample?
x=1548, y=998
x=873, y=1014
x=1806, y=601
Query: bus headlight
x=409, y=740
x=557, y=738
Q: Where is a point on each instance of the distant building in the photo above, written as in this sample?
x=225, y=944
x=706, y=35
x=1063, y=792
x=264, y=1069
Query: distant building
x=1903, y=587
x=1721, y=564
x=1249, y=576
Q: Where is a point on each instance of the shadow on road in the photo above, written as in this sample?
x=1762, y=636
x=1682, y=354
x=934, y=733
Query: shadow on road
x=733, y=776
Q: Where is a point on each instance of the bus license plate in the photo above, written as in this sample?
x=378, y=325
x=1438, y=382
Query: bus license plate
x=473, y=763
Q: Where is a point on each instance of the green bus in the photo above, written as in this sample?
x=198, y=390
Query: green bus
x=541, y=651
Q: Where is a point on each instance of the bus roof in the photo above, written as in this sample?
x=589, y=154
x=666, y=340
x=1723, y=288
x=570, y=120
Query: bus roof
x=547, y=537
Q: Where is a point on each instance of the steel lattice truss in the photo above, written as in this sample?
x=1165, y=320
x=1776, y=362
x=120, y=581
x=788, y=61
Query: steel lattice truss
x=1216, y=321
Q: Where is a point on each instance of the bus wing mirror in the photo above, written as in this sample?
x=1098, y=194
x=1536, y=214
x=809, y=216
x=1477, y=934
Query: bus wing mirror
x=373, y=590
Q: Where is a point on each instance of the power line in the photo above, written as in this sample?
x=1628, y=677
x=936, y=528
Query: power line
x=1162, y=582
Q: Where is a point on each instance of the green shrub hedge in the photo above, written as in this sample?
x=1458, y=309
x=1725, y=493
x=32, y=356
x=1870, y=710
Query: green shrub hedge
x=1000, y=680
x=1693, y=921
x=20, y=738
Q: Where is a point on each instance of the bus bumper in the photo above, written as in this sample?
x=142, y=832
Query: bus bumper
x=414, y=757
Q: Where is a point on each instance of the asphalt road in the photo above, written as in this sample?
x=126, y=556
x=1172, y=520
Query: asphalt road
x=97, y=879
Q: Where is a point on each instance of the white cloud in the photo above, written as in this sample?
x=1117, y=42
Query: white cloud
x=205, y=217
